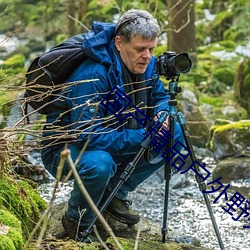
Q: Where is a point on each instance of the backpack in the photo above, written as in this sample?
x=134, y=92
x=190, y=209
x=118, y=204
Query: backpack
x=47, y=74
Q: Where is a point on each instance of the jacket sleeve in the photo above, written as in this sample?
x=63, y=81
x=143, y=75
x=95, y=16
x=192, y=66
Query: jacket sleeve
x=88, y=120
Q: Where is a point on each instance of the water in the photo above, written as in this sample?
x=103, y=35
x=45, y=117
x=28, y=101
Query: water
x=187, y=211
x=188, y=216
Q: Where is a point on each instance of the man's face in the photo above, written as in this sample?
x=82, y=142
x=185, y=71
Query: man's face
x=137, y=53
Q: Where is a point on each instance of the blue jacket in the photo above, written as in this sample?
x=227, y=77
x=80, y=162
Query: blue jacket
x=87, y=118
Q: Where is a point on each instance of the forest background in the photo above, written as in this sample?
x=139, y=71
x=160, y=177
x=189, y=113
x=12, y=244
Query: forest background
x=214, y=33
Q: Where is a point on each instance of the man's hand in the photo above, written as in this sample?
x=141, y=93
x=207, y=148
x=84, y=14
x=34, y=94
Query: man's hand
x=165, y=124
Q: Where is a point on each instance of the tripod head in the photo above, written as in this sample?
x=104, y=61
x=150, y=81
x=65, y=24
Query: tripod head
x=174, y=89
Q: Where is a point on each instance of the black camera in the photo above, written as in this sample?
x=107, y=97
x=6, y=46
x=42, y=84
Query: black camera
x=171, y=65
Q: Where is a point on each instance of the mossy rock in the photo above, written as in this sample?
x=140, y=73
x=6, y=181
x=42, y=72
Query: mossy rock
x=150, y=235
x=230, y=139
x=128, y=244
x=10, y=231
x=222, y=106
x=22, y=200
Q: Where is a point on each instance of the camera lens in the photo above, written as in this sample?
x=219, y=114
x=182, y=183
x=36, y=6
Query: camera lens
x=182, y=63
x=170, y=65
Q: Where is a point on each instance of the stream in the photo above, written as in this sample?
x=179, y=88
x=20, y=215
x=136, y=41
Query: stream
x=187, y=212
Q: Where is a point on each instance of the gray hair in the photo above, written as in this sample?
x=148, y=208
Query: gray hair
x=137, y=22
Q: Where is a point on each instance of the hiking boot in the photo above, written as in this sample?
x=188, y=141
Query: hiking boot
x=121, y=211
x=75, y=231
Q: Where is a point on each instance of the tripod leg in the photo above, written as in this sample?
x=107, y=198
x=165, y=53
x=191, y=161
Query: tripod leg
x=201, y=184
x=167, y=180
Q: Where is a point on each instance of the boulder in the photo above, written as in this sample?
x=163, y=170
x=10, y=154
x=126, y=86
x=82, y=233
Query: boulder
x=232, y=169
x=150, y=235
x=231, y=139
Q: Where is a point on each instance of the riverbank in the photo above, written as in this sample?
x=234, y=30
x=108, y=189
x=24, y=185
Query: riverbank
x=188, y=215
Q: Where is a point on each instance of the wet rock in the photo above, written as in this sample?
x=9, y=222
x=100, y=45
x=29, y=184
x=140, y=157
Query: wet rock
x=150, y=234
x=232, y=169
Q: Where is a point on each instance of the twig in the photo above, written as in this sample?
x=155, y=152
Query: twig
x=99, y=238
x=137, y=236
x=66, y=154
x=77, y=21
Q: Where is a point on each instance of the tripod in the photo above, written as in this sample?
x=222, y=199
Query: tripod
x=126, y=173
x=173, y=90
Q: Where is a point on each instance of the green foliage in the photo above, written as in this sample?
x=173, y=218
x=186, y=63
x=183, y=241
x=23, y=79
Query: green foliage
x=229, y=23
x=12, y=67
x=216, y=67
x=224, y=75
x=160, y=49
x=242, y=84
x=60, y=38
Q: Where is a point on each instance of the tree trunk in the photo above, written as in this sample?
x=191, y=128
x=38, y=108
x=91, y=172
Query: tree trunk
x=83, y=7
x=181, y=27
x=71, y=6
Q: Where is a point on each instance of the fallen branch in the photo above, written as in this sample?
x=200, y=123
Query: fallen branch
x=65, y=154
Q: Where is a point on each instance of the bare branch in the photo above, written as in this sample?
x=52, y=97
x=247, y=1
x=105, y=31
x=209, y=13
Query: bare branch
x=66, y=154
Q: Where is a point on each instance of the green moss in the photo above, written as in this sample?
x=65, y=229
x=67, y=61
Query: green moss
x=16, y=237
x=13, y=239
x=235, y=125
x=228, y=45
x=128, y=244
x=225, y=75
x=21, y=199
x=212, y=100
x=220, y=132
x=6, y=243
x=9, y=219
x=219, y=102
x=16, y=61
x=13, y=71
x=242, y=84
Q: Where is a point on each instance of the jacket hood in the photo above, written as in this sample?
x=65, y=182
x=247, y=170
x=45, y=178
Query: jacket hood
x=98, y=43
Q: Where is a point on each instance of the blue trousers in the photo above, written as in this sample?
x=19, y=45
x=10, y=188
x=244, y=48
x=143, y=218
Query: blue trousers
x=99, y=171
